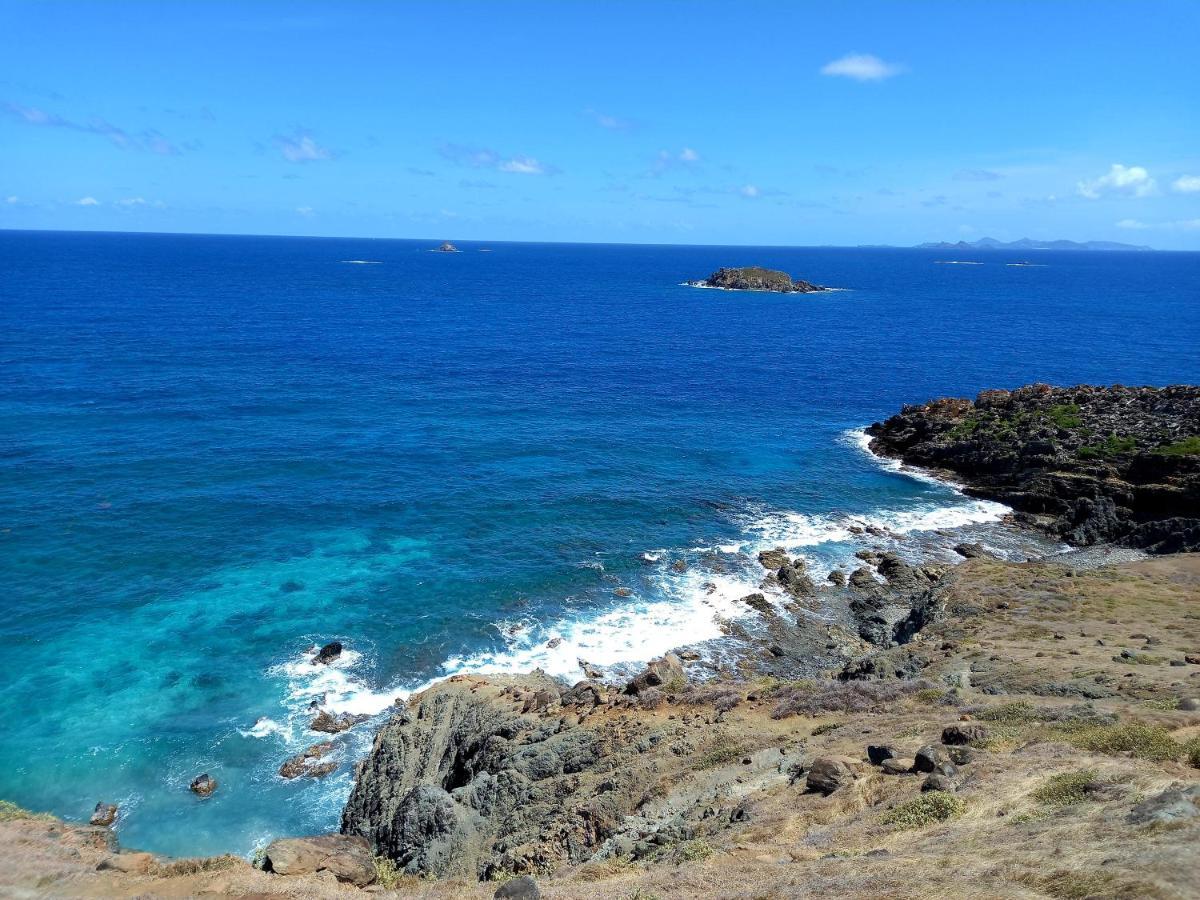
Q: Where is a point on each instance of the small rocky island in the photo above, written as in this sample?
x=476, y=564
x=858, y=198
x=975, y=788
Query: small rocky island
x=756, y=278
x=447, y=247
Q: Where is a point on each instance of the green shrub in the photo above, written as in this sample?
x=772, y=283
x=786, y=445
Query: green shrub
x=935, y=806
x=1064, y=415
x=10, y=812
x=1112, y=446
x=691, y=851
x=722, y=750
x=1189, y=446
x=1191, y=752
x=826, y=728
x=1144, y=741
x=1067, y=788
x=388, y=875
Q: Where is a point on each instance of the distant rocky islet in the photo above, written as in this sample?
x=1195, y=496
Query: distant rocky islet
x=757, y=278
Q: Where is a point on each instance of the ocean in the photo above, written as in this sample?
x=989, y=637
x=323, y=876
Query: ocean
x=219, y=452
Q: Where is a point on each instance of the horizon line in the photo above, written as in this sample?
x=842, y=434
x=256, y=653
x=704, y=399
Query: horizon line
x=329, y=237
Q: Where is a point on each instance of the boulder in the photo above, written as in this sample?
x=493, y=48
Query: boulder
x=328, y=653
x=962, y=733
x=663, y=671
x=329, y=724
x=897, y=765
x=938, y=782
x=877, y=753
x=795, y=579
x=930, y=758
x=523, y=888
x=828, y=773
x=837, y=577
x=758, y=602
x=970, y=551
x=348, y=858
x=1176, y=804
x=1189, y=704
x=104, y=814
x=586, y=694
x=960, y=756
x=203, y=785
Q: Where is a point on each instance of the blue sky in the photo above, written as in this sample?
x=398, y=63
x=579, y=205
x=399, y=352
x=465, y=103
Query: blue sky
x=673, y=122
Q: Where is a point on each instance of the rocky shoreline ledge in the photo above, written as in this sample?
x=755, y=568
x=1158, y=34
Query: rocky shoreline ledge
x=1048, y=710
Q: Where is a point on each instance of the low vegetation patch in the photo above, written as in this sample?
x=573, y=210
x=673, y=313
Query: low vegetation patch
x=1111, y=446
x=691, y=851
x=1067, y=788
x=721, y=697
x=1064, y=415
x=722, y=750
x=10, y=812
x=1189, y=446
x=1191, y=752
x=935, y=806
x=810, y=698
x=389, y=876
x=1144, y=741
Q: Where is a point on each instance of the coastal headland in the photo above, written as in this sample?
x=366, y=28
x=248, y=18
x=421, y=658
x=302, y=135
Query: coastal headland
x=996, y=728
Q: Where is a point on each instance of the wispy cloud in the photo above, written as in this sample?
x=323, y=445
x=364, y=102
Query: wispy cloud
x=301, y=147
x=139, y=203
x=149, y=140
x=1186, y=184
x=305, y=211
x=862, y=67
x=87, y=201
x=1128, y=181
x=977, y=175
x=674, y=159
x=1176, y=225
x=612, y=123
x=483, y=158
x=749, y=190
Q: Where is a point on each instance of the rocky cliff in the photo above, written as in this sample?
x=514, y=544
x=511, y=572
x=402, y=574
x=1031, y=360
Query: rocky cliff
x=1090, y=464
x=756, y=278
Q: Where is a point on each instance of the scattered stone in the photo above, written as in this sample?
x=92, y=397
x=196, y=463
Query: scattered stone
x=346, y=857
x=1192, y=659
x=897, y=766
x=965, y=733
x=104, y=814
x=328, y=653
x=523, y=888
x=1190, y=704
x=585, y=693
x=961, y=756
x=970, y=551
x=203, y=785
x=828, y=773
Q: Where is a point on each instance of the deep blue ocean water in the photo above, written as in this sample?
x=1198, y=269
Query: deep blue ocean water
x=216, y=452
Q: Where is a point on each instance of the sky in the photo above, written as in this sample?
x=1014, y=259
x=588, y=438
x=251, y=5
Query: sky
x=761, y=123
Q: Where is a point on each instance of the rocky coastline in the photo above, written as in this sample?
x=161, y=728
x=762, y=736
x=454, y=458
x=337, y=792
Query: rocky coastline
x=756, y=278
x=1048, y=709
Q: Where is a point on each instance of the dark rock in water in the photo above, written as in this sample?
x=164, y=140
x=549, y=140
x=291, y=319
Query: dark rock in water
x=756, y=278
x=328, y=653
x=347, y=858
x=970, y=551
x=305, y=762
x=203, y=785
x=795, y=579
x=837, y=577
x=447, y=247
x=774, y=559
x=523, y=888
x=1091, y=464
x=104, y=814
x=330, y=724
x=758, y=602
x=660, y=672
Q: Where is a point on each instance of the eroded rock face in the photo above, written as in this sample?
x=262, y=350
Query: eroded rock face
x=347, y=858
x=756, y=278
x=464, y=783
x=1095, y=464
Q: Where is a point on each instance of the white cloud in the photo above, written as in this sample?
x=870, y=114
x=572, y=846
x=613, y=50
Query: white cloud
x=304, y=211
x=688, y=155
x=1134, y=224
x=299, y=147
x=612, y=123
x=522, y=165
x=1186, y=184
x=671, y=159
x=87, y=201
x=861, y=67
x=12, y=200
x=749, y=190
x=140, y=203
x=1130, y=181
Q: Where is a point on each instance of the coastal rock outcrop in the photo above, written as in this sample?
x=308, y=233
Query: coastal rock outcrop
x=1089, y=464
x=756, y=278
x=347, y=858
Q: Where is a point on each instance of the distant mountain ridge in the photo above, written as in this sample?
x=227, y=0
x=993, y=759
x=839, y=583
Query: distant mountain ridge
x=988, y=243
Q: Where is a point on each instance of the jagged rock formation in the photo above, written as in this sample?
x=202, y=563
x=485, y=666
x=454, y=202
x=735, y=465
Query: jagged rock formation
x=1092, y=464
x=756, y=278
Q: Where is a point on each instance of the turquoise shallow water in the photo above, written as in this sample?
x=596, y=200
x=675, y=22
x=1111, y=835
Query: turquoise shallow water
x=216, y=452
